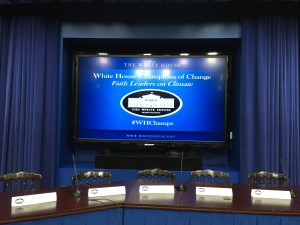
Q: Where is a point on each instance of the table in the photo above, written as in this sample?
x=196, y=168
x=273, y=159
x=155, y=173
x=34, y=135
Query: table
x=67, y=210
x=181, y=208
x=185, y=208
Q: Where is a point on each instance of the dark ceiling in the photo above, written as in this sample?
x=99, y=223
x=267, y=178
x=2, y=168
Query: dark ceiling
x=140, y=10
x=8, y=2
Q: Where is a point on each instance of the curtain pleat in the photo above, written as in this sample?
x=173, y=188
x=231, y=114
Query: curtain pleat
x=270, y=97
x=30, y=97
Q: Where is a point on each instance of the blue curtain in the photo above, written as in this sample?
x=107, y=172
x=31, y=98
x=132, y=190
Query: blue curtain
x=29, y=45
x=270, y=96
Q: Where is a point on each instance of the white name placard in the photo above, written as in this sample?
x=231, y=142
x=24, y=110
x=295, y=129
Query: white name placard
x=157, y=189
x=19, y=210
x=166, y=197
x=271, y=202
x=116, y=199
x=211, y=200
x=33, y=199
x=107, y=191
x=274, y=194
x=214, y=191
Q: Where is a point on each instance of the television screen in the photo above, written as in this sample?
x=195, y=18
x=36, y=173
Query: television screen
x=150, y=99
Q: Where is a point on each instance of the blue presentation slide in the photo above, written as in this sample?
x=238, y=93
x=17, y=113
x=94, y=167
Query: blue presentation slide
x=151, y=98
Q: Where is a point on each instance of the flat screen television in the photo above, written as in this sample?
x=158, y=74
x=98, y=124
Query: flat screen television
x=176, y=100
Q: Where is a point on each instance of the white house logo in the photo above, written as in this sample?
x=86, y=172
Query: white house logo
x=19, y=200
x=258, y=192
x=151, y=103
x=145, y=188
x=201, y=189
x=94, y=191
